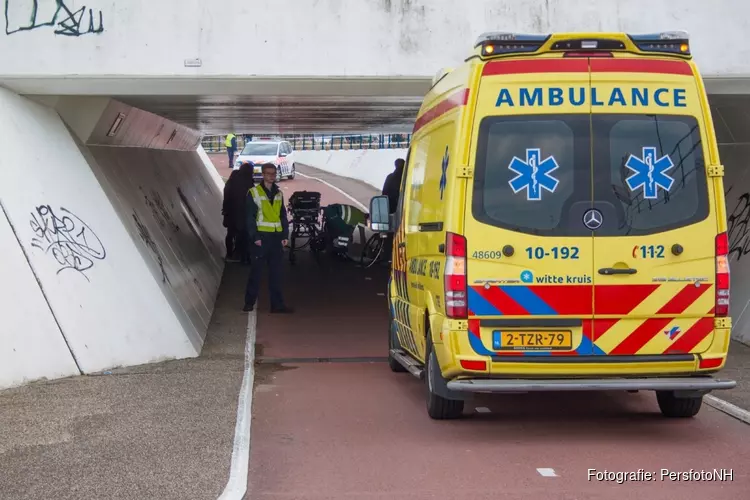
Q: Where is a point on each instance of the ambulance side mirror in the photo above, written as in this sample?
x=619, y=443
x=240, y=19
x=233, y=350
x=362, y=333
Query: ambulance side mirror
x=380, y=220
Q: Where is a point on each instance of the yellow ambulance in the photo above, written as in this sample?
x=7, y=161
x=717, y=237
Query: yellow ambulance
x=562, y=225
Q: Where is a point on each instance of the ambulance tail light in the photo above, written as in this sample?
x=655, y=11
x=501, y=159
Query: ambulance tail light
x=456, y=293
x=722, y=275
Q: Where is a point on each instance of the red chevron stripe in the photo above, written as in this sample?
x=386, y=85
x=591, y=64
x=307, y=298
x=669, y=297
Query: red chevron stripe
x=651, y=327
x=620, y=299
x=501, y=301
x=567, y=299
x=684, y=298
x=474, y=327
x=601, y=326
x=640, y=336
x=692, y=337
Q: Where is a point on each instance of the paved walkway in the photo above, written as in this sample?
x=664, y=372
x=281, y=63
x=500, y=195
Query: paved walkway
x=162, y=431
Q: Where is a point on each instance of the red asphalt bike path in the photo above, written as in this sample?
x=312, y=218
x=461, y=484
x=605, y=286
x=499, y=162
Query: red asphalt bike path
x=350, y=428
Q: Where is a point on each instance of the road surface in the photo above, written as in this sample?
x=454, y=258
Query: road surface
x=331, y=421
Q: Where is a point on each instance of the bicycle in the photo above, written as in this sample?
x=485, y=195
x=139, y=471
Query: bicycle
x=374, y=250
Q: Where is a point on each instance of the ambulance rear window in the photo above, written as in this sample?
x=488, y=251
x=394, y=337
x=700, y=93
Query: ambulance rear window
x=650, y=168
x=506, y=195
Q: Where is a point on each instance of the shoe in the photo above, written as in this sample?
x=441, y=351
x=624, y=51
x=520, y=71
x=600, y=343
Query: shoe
x=248, y=308
x=282, y=310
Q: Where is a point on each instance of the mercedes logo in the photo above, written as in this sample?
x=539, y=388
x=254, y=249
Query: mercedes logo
x=592, y=219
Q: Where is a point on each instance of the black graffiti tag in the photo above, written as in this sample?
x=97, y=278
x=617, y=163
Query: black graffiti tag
x=66, y=21
x=151, y=244
x=72, y=243
x=739, y=227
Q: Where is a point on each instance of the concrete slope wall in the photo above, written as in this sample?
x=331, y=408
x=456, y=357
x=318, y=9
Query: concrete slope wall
x=167, y=196
x=330, y=37
x=125, y=242
x=31, y=344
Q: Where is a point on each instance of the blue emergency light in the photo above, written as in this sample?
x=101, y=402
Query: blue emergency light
x=496, y=42
x=674, y=42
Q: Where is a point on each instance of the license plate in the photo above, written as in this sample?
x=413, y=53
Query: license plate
x=536, y=341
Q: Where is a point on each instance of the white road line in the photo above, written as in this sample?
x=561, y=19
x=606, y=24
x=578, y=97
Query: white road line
x=360, y=205
x=728, y=408
x=237, y=484
x=547, y=472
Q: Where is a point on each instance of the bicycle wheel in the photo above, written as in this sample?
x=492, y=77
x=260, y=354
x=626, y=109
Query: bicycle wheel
x=372, y=250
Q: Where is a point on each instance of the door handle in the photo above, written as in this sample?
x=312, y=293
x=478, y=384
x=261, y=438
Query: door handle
x=614, y=270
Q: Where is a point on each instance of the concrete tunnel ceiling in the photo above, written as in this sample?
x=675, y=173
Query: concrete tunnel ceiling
x=290, y=105
x=283, y=114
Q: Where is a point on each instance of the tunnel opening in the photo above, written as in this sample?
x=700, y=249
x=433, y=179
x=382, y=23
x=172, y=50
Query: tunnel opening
x=158, y=192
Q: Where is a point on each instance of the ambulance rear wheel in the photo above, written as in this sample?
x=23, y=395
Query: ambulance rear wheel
x=438, y=407
x=674, y=407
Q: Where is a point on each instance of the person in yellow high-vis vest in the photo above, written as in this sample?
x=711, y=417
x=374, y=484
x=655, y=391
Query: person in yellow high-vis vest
x=268, y=230
x=231, y=143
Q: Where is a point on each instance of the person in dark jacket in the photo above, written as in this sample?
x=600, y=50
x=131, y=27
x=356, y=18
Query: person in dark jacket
x=234, y=209
x=392, y=185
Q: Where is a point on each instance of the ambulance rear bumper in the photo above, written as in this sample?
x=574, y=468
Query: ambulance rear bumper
x=701, y=384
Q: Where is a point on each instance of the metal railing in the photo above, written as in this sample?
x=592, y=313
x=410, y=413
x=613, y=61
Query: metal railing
x=312, y=142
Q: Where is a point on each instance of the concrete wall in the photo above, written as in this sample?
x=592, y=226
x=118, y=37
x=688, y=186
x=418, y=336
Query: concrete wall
x=732, y=121
x=123, y=234
x=331, y=37
x=369, y=165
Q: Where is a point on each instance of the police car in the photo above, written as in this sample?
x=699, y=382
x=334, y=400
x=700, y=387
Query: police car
x=280, y=153
x=562, y=225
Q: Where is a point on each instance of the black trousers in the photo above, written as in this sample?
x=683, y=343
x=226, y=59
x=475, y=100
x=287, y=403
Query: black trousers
x=236, y=241
x=270, y=253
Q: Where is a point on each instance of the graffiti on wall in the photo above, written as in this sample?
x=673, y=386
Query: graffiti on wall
x=29, y=15
x=70, y=241
x=151, y=244
x=738, y=221
x=160, y=211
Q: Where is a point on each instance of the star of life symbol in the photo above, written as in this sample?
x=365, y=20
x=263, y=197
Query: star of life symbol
x=533, y=174
x=443, y=177
x=650, y=173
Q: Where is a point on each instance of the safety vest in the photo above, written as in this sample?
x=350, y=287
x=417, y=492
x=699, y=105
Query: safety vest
x=268, y=219
x=228, y=141
x=352, y=216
